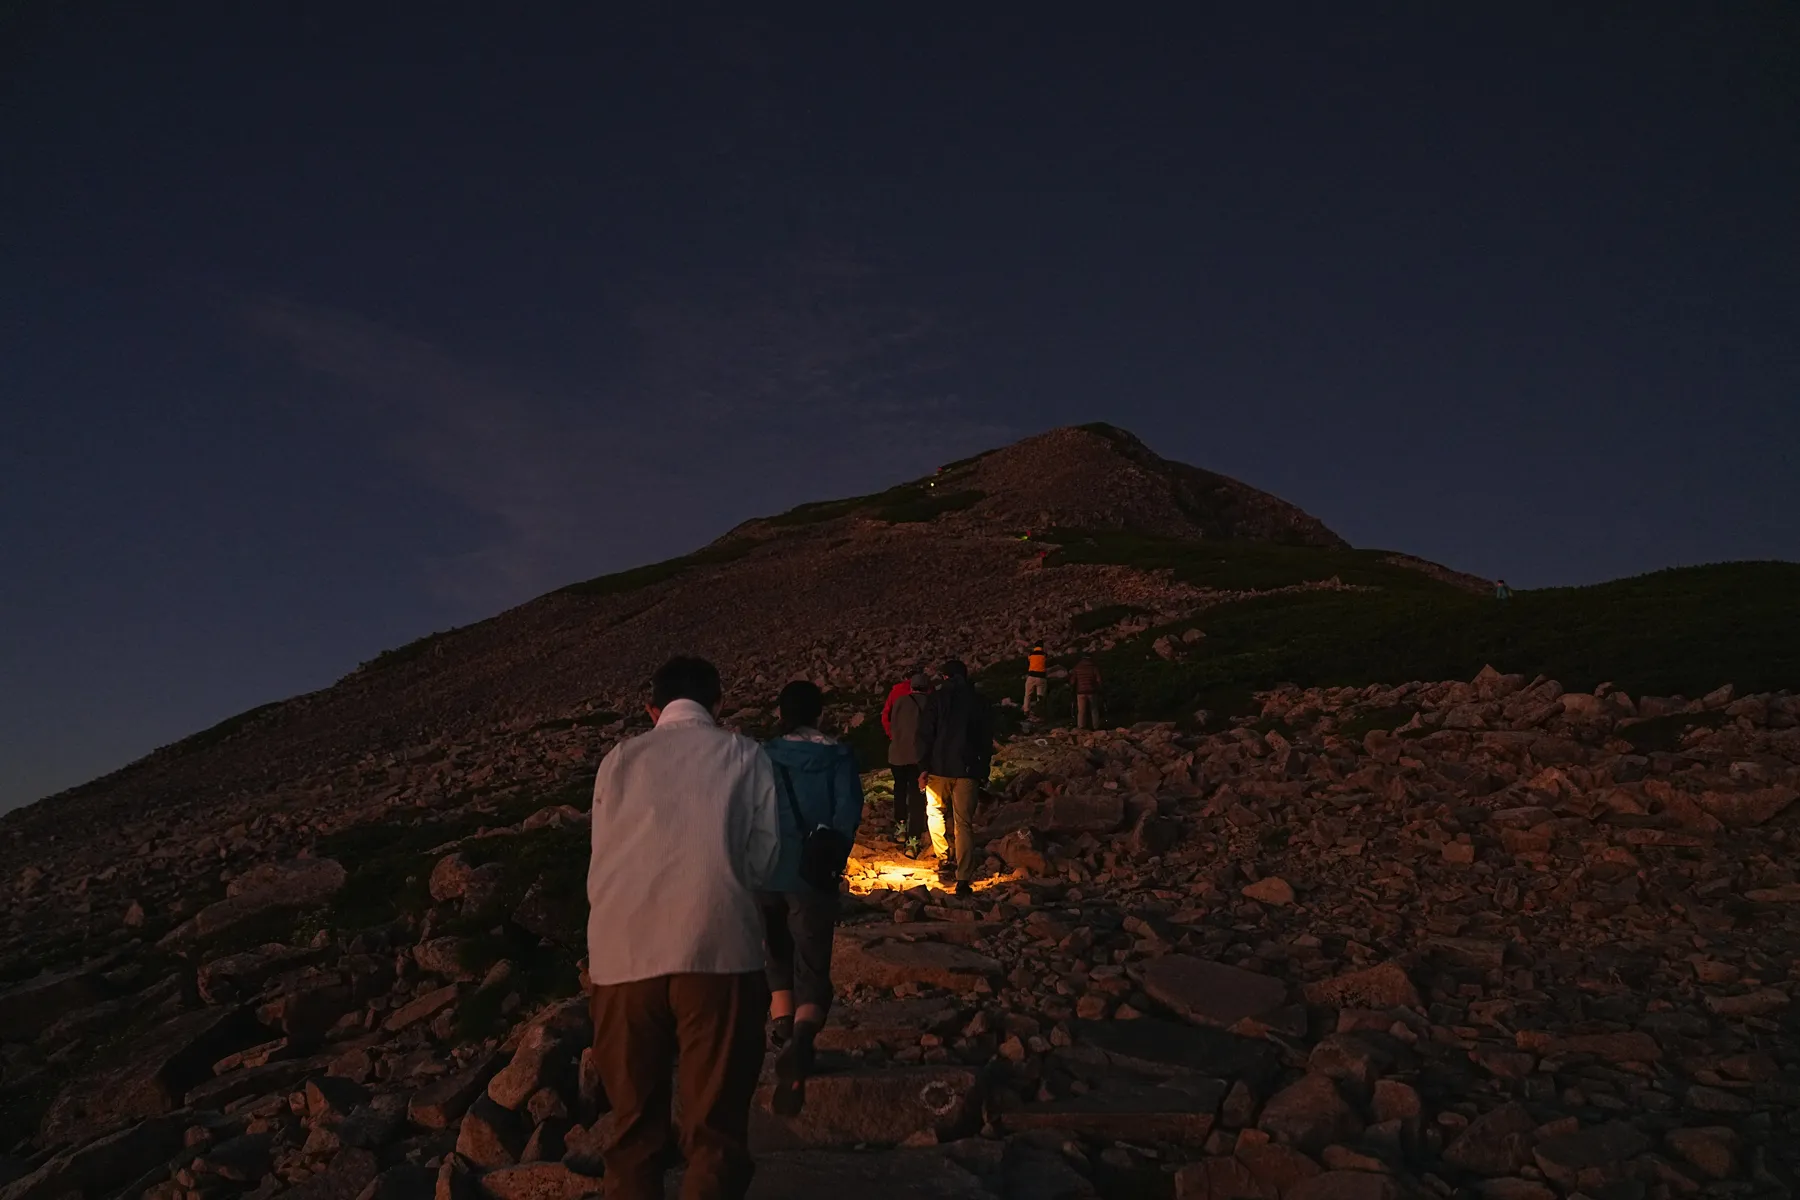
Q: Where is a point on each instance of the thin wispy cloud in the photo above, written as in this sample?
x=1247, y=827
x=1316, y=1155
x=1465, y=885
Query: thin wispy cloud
x=739, y=398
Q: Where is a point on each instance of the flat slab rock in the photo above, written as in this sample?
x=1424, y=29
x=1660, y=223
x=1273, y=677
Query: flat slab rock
x=152, y=1075
x=880, y=1107
x=860, y=960
x=1176, y=1113
x=1155, y=1047
x=271, y=885
x=1208, y=992
x=29, y=1008
x=103, y=1166
x=886, y=1023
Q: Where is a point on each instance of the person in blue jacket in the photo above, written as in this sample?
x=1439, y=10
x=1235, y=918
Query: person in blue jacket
x=816, y=777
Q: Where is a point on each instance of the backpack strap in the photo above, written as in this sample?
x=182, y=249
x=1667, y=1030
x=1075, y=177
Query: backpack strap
x=787, y=793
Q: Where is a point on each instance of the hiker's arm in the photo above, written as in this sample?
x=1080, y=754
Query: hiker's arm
x=887, y=711
x=762, y=843
x=927, y=735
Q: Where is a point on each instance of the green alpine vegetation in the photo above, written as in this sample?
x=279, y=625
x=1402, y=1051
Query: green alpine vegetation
x=1682, y=631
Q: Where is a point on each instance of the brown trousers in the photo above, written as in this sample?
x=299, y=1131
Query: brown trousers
x=707, y=1030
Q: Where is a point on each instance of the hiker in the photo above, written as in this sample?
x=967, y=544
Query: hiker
x=1501, y=591
x=956, y=747
x=893, y=697
x=903, y=764
x=817, y=785
x=1037, y=677
x=1086, y=677
x=685, y=831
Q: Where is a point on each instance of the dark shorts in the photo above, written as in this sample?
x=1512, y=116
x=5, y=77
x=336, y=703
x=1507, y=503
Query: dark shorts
x=797, y=928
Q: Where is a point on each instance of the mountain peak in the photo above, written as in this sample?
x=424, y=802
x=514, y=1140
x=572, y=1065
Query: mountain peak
x=1094, y=477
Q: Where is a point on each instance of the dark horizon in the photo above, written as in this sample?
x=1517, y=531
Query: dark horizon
x=329, y=328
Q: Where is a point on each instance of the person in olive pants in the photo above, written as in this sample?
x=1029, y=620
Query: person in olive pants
x=956, y=749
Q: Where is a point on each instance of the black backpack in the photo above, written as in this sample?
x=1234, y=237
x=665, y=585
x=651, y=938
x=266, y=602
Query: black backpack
x=823, y=851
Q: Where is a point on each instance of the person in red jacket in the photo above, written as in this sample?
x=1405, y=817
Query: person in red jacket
x=903, y=688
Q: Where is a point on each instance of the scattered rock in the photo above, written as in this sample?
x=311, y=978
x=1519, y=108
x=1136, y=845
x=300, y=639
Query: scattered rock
x=1271, y=890
x=1384, y=986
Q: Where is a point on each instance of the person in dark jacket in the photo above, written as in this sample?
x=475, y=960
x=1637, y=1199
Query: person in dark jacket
x=956, y=748
x=903, y=762
x=815, y=784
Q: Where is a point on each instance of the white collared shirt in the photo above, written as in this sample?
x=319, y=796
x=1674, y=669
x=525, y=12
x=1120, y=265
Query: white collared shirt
x=685, y=830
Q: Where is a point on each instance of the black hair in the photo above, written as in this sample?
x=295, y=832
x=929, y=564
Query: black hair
x=802, y=704
x=686, y=678
x=955, y=669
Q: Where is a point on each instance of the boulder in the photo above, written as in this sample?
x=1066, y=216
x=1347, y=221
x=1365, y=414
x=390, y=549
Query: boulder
x=1271, y=890
x=331, y=1099
x=1277, y=1169
x=442, y=956
x=491, y=1137
x=1498, y=1142
x=437, y=1105
x=541, y=1060
x=1711, y=1150
x=1019, y=851
x=1309, y=1115
x=1586, y=1155
x=1740, y=810
x=1383, y=986
x=1356, y=1059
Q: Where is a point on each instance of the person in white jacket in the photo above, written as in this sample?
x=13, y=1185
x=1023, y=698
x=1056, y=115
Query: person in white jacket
x=685, y=830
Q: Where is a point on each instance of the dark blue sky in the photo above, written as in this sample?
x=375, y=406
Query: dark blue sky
x=326, y=325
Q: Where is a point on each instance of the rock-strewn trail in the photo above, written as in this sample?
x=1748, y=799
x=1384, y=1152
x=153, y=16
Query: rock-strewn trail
x=1467, y=938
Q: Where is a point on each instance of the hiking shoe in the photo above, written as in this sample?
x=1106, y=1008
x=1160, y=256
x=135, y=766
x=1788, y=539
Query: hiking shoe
x=792, y=1066
x=781, y=1032
x=965, y=888
x=899, y=831
x=913, y=849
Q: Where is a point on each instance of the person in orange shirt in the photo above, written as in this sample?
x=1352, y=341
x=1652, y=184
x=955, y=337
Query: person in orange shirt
x=1037, y=677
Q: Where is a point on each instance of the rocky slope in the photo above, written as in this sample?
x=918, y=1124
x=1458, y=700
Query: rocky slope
x=1479, y=938
x=1467, y=938
x=851, y=593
